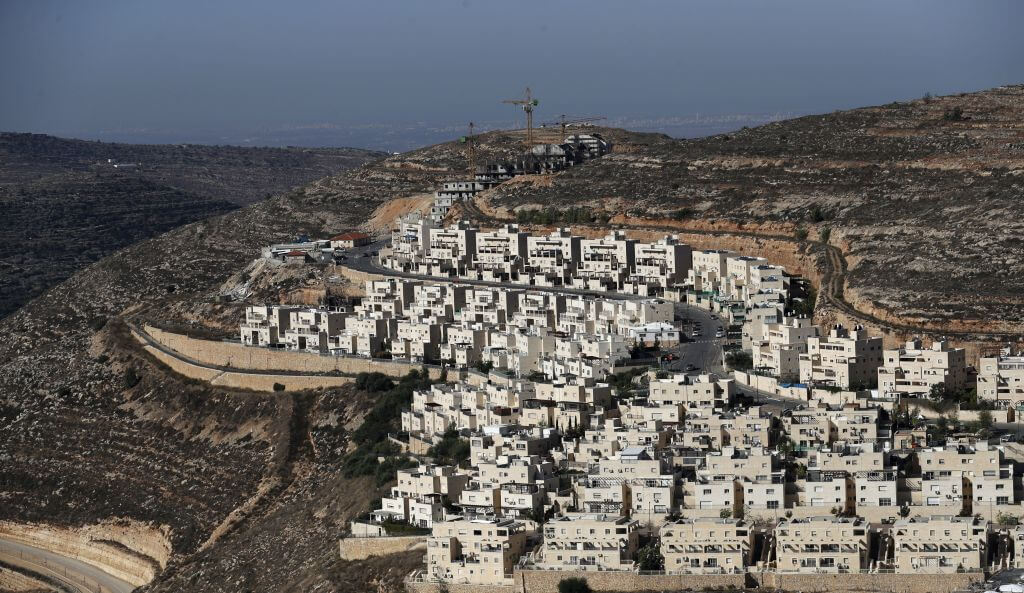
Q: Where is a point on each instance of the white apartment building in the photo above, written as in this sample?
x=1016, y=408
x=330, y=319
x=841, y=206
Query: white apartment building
x=589, y=541
x=777, y=350
x=551, y=260
x=481, y=552
x=265, y=325
x=658, y=266
x=605, y=263
x=1001, y=378
x=940, y=543
x=410, y=238
x=500, y=254
x=692, y=391
x=821, y=544
x=706, y=545
x=450, y=250
x=912, y=371
x=843, y=359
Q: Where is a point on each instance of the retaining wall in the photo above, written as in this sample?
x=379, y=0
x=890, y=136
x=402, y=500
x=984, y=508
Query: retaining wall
x=231, y=354
x=247, y=381
x=359, y=548
x=546, y=581
x=858, y=583
x=770, y=385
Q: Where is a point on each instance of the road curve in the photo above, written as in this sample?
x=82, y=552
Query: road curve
x=74, y=574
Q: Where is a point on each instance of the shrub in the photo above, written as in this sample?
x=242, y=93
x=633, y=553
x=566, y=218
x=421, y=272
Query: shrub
x=1007, y=519
x=739, y=360
x=131, y=378
x=817, y=214
x=682, y=214
x=825, y=234
x=278, y=387
x=800, y=233
x=574, y=585
x=954, y=114
x=374, y=382
x=451, y=450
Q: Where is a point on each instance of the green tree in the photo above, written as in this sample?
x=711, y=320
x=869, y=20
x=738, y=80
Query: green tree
x=649, y=557
x=574, y=585
x=800, y=233
x=740, y=360
x=825, y=234
x=985, y=422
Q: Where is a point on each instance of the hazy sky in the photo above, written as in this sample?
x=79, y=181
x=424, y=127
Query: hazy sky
x=250, y=64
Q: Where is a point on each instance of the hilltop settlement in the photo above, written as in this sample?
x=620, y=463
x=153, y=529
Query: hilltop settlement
x=617, y=405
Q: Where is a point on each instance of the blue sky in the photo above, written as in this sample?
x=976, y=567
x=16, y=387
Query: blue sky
x=256, y=64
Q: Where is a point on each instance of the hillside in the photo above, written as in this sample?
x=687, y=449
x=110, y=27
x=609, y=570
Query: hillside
x=920, y=206
x=65, y=206
x=924, y=200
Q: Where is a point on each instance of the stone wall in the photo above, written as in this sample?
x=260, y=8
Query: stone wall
x=770, y=385
x=233, y=354
x=546, y=581
x=858, y=583
x=247, y=381
x=360, y=548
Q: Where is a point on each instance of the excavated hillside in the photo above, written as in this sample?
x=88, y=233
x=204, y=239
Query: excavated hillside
x=247, y=486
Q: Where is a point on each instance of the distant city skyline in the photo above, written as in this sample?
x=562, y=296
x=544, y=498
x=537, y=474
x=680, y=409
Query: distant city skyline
x=393, y=74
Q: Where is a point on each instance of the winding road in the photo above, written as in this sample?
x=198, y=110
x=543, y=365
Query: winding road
x=74, y=575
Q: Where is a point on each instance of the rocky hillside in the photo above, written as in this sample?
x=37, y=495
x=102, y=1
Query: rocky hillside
x=65, y=206
x=91, y=428
x=923, y=198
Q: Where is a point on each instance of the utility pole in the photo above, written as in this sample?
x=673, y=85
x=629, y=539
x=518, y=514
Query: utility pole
x=527, y=103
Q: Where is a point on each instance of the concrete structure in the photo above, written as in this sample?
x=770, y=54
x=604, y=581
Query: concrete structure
x=912, y=371
x=844, y=358
x=821, y=544
x=706, y=545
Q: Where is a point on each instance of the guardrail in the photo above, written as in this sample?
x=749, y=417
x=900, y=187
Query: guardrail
x=72, y=579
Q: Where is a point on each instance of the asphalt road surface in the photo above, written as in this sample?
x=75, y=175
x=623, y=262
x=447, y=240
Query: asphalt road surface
x=78, y=574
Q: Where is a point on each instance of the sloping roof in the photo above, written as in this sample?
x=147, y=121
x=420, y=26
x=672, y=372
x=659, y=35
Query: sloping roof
x=350, y=236
x=296, y=253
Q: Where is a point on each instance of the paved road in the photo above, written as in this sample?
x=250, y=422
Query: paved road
x=704, y=353
x=76, y=574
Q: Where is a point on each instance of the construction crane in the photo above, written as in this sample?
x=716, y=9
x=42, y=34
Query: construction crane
x=564, y=122
x=470, y=142
x=527, y=103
